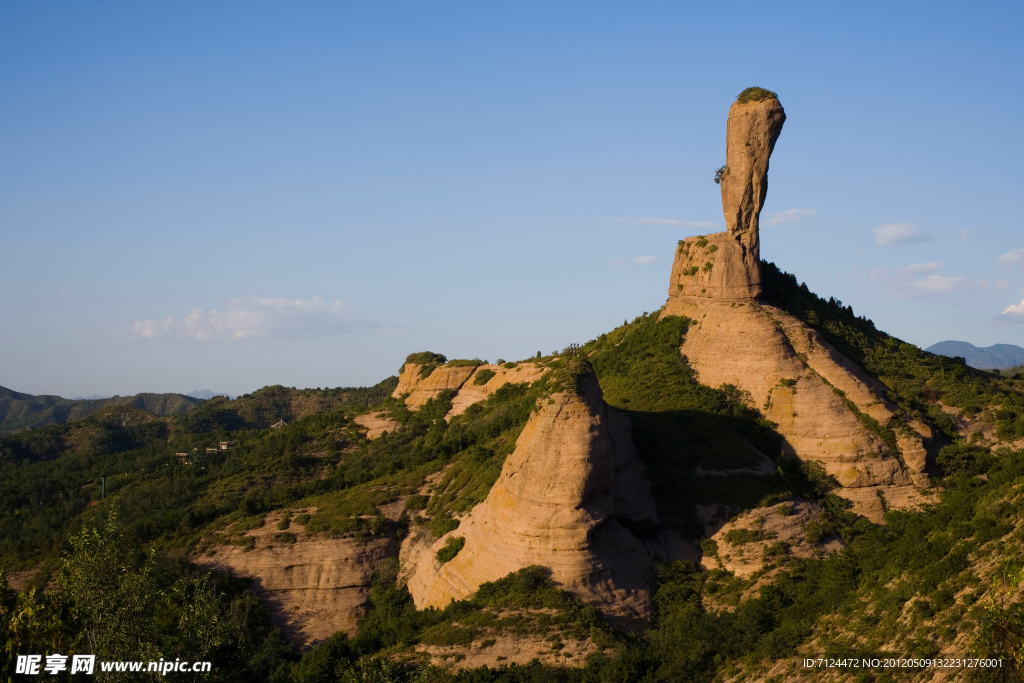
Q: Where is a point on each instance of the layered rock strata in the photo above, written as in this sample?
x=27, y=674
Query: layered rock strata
x=471, y=392
x=421, y=389
x=789, y=372
x=462, y=379
x=312, y=587
x=574, y=469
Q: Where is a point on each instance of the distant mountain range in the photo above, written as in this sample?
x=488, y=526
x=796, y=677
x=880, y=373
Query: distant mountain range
x=19, y=410
x=206, y=394
x=997, y=356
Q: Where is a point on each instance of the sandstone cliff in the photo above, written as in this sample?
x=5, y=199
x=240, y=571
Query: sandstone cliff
x=818, y=398
x=312, y=586
x=461, y=378
x=573, y=470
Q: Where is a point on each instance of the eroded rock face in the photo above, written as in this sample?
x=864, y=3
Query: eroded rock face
x=460, y=378
x=790, y=373
x=726, y=265
x=471, y=392
x=750, y=138
x=574, y=468
x=312, y=587
x=721, y=266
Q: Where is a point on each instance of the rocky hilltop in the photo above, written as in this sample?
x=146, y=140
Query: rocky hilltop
x=827, y=409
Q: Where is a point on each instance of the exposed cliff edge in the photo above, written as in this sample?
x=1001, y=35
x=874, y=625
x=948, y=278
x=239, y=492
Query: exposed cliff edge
x=419, y=383
x=574, y=469
x=823, y=404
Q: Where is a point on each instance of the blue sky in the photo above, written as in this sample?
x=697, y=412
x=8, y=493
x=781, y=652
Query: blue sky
x=230, y=195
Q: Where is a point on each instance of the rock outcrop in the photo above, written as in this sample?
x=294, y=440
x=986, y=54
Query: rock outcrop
x=751, y=132
x=376, y=424
x=726, y=265
x=422, y=389
x=471, y=392
x=790, y=373
x=312, y=587
x=751, y=540
x=555, y=504
x=462, y=379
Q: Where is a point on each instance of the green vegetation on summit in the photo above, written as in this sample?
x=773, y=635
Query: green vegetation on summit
x=755, y=94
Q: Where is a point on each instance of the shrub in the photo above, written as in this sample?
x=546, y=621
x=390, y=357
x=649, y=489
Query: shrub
x=963, y=459
x=451, y=548
x=285, y=522
x=741, y=536
x=464, y=363
x=425, y=358
x=483, y=376
x=755, y=94
x=721, y=173
x=285, y=537
x=447, y=634
x=442, y=524
x=416, y=502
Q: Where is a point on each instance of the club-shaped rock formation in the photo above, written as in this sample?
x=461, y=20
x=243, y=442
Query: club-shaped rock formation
x=574, y=469
x=821, y=401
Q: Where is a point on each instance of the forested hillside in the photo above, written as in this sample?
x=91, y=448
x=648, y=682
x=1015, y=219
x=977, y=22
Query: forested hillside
x=19, y=411
x=101, y=525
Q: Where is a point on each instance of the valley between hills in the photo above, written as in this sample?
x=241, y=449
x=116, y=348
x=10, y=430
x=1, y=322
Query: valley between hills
x=748, y=477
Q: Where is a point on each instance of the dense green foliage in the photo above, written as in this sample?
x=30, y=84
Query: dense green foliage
x=451, y=548
x=483, y=376
x=121, y=604
x=53, y=477
x=755, y=94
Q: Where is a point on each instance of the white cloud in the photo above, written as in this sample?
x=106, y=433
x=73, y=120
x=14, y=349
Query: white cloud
x=919, y=268
x=965, y=234
x=666, y=221
x=789, y=216
x=639, y=260
x=1015, y=256
x=1012, y=315
x=919, y=280
x=255, y=318
x=897, y=234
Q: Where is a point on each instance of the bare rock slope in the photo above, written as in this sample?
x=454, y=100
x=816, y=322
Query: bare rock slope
x=824, y=405
x=554, y=505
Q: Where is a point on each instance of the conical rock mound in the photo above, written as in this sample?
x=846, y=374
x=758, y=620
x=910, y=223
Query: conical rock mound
x=573, y=470
x=795, y=378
